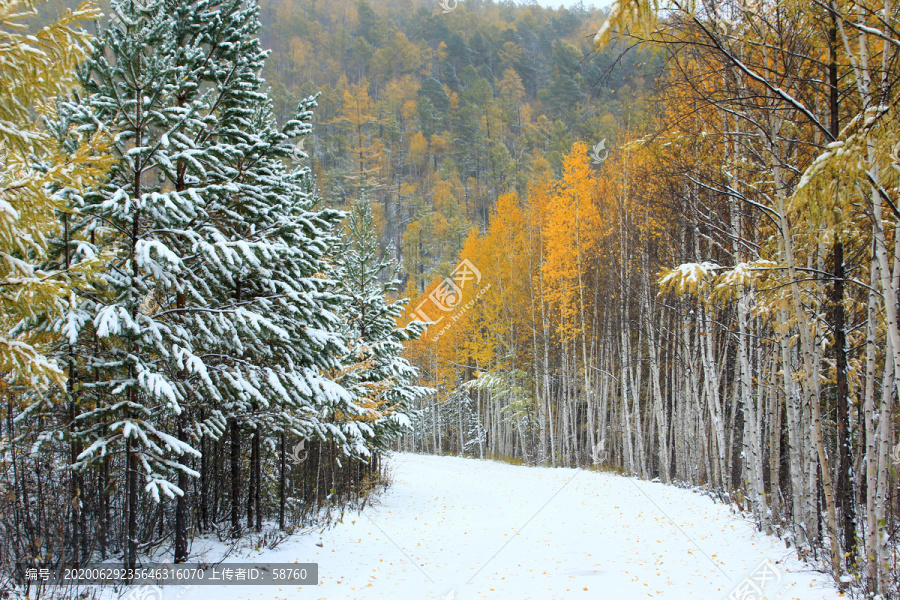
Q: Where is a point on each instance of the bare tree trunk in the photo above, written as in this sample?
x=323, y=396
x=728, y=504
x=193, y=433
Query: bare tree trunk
x=131, y=465
x=235, y=478
x=181, y=516
x=282, y=479
x=812, y=378
x=872, y=444
x=659, y=412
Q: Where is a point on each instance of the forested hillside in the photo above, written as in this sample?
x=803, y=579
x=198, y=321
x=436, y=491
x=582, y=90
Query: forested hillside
x=437, y=114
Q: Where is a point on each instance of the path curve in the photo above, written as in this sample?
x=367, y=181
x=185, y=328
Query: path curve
x=458, y=529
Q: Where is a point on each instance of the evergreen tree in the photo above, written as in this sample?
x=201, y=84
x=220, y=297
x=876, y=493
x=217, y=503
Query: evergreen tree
x=374, y=367
x=216, y=313
x=143, y=84
x=433, y=90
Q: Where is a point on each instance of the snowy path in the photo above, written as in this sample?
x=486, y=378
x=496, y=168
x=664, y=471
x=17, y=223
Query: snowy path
x=581, y=535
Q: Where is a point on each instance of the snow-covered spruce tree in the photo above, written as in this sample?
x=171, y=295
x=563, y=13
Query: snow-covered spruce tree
x=128, y=389
x=462, y=409
x=215, y=309
x=373, y=367
x=274, y=383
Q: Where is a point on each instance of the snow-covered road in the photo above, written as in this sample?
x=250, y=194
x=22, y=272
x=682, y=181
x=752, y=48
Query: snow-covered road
x=460, y=528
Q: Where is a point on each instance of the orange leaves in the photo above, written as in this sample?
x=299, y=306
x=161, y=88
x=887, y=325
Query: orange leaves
x=418, y=150
x=544, y=259
x=534, y=258
x=571, y=232
x=357, y=113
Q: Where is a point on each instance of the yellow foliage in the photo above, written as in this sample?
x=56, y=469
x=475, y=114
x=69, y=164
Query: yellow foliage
x=34, y=70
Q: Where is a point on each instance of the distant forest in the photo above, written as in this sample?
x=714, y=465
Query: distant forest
x=437, y=114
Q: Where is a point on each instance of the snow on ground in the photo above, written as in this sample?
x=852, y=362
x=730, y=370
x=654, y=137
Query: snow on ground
x=447, y=529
